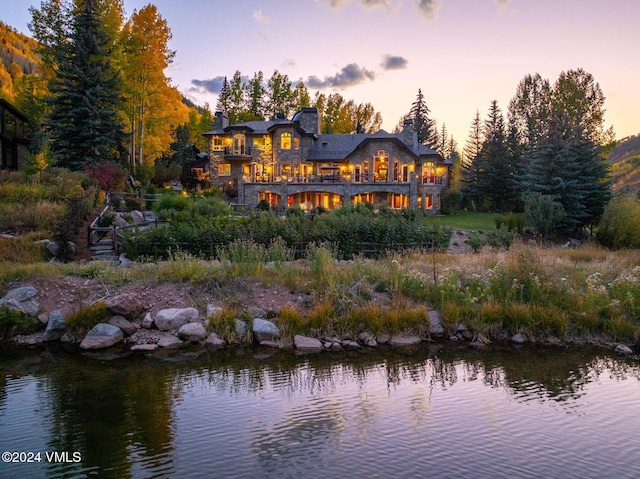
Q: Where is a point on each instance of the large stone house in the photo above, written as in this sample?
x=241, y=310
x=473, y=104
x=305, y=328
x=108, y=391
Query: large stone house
x=288, y=162
x=14, y=146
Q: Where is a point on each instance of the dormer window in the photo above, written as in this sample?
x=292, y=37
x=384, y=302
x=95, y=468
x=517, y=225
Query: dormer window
x=285, y=141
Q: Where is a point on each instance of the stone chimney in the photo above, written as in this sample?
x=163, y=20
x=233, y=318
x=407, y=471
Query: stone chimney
x=309, y=120
x=221, y=121
x=409, y=135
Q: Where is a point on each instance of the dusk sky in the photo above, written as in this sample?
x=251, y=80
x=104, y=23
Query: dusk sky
x=461, y=53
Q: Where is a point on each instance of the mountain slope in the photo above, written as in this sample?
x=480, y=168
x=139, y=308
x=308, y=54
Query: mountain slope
x=17, y=58
x=624, y=162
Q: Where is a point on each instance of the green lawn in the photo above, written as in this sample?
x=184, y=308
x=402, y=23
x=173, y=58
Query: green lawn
x=466, y=221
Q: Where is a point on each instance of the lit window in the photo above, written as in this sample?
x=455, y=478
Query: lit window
x=259, y=143
x=217, y=144
x=380, y=165
x=296, y=143
x=428, y=173
x=224, y=169
x=238, y=144
x=285, y=141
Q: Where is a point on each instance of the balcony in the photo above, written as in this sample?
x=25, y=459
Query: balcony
x=237, y=151
x=431, y=180
x=329, y=178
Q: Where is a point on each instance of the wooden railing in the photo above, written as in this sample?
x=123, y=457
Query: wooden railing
x=97, y=233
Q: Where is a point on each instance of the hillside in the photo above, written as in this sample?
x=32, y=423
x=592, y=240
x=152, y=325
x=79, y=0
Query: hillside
x=625, y=165
x=17, y=58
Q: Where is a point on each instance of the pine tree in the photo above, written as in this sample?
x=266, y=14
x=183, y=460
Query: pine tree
x=223, y=97
x=255, y=93
x=472, y=168
x=567, y=162
x=84, y=121
x=425, y=127
x=236, y=98
x=497, y=182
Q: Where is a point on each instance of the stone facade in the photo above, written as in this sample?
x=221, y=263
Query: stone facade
x=288, y=162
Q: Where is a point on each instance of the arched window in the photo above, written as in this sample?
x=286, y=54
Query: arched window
x=285, y=141
x=380, y=165
x=428, y=173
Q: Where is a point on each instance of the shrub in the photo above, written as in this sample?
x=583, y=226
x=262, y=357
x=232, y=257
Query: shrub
x=450, y=201
x=500, y=238
x=291, y=321
x=543, y=213
x=171, y=202
x=476, y=240
x=620, y=224
x=82, y=320
x=109, y=175
x=13, y=322
x=223, y=323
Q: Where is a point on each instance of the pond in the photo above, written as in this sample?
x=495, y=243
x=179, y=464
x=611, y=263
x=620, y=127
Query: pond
x=438, y=411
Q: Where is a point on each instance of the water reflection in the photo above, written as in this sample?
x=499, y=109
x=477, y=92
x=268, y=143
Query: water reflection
x=144, y=416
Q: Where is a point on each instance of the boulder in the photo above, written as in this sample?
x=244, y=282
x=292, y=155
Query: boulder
x=435, y=323
x=351, y=346
x=144, y=347
x=127, y=305
x=256, y=312
x=264, y=330
x=149, y=216
x=194, y=332
x=119, y=221
x=22, y=300
x=368, y=339
x=102, y=335
x=241, y=328
x=127, y=328
x=54, y=248
x=137, y=217
x=402, y=340
x=169, y=341
x=623, y=350
x=518, y=338
x=56, y=326
x=147, y=322
x=214, y=340
x=173, y=318
x=306, y=344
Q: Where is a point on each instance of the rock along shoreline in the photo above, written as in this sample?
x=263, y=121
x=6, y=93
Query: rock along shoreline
x=175, y=328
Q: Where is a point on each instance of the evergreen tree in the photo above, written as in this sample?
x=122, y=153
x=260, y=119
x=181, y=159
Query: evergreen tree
x=255, y=93
x=567, y=161
x=515, y=157
x=425, y=127
x=497, y=184
x=84, y=124
x=554, y=171
x=223, y=97
x=236, y=104
x=472, y=169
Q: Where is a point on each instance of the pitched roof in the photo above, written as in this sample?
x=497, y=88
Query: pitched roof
x=332, y=147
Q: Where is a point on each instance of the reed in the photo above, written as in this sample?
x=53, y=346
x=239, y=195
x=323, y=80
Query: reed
x=82, y=320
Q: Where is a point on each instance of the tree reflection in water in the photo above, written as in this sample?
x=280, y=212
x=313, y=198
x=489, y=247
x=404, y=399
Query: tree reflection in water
x=121, y=411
